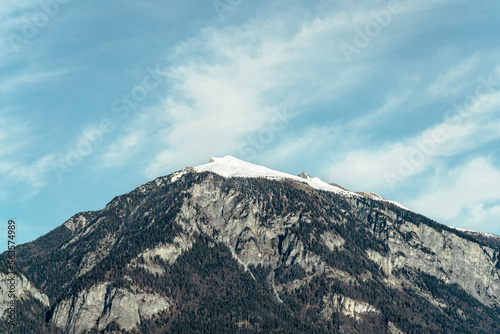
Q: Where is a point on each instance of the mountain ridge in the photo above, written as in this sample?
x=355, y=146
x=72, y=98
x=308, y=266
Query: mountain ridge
x=195, y=251
x=229, y=166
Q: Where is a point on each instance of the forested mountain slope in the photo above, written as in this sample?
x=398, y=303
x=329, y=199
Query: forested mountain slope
x=230, y=247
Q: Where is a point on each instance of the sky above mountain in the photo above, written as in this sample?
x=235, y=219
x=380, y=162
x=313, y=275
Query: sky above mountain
x=401, y=98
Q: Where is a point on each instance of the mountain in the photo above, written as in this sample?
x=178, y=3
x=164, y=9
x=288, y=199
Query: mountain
x=232, y=247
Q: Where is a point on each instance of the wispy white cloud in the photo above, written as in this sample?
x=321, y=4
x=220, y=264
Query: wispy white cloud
x=225, y=82
x=466, y=196
x=467, y=128
x=33, y=174
x=394, y=102
x=27, y=77
x=16, y=168
x=121, y=151
x=245, y=75
x=9, y=8
x=13, y=18
x=294, y=148
x=8, y=146
x=452, y=81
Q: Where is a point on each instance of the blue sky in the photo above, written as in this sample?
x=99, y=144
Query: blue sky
x=401, y=98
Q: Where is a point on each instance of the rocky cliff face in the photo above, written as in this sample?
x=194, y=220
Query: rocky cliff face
x=217, y=249
x=23, y=288
x=442, y=254
x=101, y=305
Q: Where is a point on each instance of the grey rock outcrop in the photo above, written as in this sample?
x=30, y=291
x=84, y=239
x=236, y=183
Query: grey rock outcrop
x=21, y=288
x=101, y=305
x=348, y=306
x=441, y=253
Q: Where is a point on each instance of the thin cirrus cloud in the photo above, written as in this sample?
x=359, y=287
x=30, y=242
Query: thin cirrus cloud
x=226, y=95
x=392, y=163
x=451, y=82
x=23, y=80
x=458, y=181
x=466, y=196
x=17, y=27
x=15, y=168
x=33, y=174
x=120, y=151
x=214, y=103
x=244, y=75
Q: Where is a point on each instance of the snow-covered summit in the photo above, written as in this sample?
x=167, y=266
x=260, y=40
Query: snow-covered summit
x=229, y=166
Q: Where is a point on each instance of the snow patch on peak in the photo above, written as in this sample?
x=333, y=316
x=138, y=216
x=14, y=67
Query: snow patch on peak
x=370, y=195
x=484, y=234
x=377, y=197
x=229, y=166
